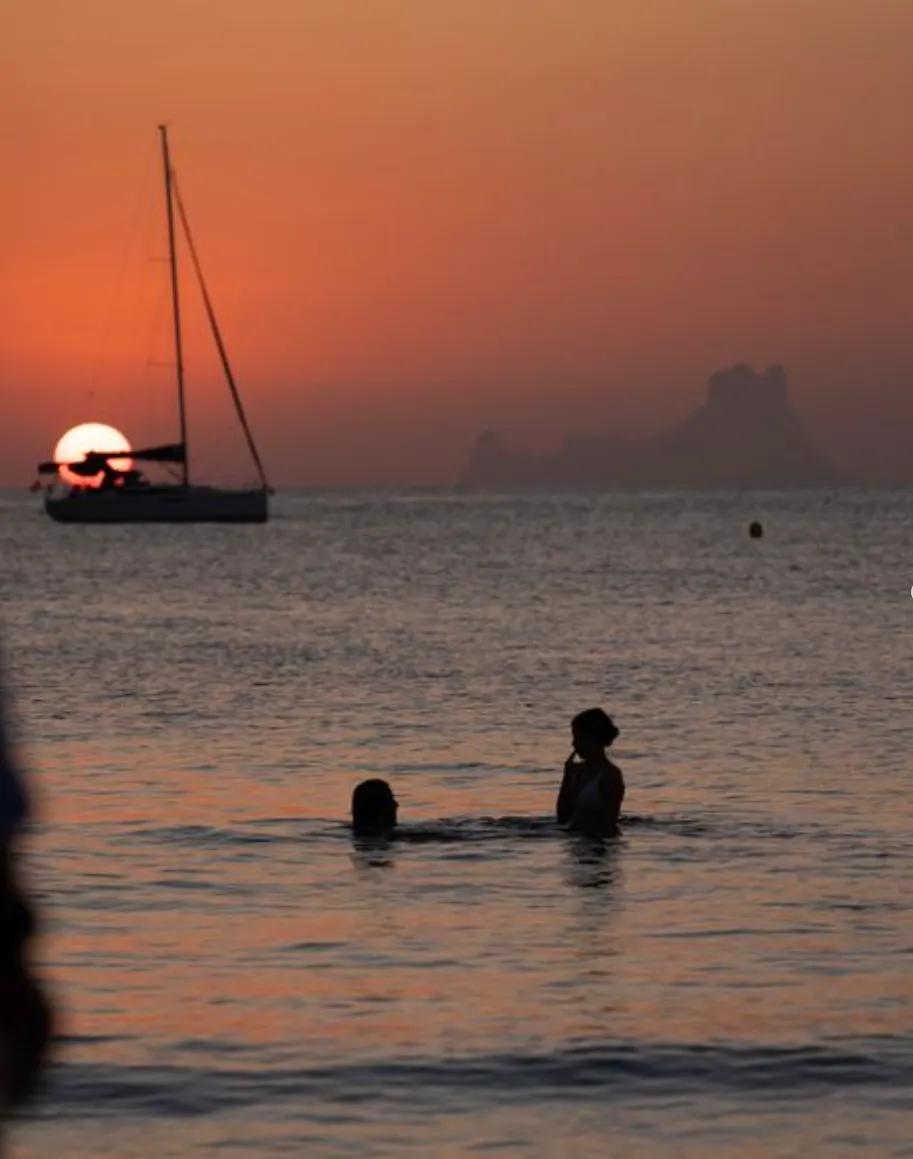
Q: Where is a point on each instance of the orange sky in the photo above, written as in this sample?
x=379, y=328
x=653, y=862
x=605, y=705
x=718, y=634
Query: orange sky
x=424, y=217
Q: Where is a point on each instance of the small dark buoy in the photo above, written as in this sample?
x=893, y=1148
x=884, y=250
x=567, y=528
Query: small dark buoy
x=755, y=530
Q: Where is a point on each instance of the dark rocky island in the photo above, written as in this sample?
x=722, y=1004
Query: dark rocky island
x=745, y=434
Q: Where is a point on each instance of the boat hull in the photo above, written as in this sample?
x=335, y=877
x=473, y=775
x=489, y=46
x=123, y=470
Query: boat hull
x=159, y=505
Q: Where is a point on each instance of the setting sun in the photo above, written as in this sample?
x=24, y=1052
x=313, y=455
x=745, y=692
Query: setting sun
x=80, y=440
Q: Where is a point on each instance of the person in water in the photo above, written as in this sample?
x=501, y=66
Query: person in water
x=374, y=814
x=592, y=788
x=373, y=808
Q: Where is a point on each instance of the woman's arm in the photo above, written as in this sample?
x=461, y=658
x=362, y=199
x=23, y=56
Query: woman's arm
x=567, y=794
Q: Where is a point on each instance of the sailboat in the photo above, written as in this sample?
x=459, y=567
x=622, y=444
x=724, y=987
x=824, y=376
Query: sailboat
x=126, y=496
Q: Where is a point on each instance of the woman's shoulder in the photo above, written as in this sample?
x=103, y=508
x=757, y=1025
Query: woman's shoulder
x=610, y=773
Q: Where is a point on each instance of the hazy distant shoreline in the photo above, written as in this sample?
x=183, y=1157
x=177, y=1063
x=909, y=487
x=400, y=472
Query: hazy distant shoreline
x=745, y=434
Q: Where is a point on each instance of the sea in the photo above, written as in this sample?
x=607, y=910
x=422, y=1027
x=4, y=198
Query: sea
x=235, y=975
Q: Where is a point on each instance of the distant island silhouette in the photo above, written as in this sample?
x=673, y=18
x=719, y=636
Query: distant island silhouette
x=745, y=434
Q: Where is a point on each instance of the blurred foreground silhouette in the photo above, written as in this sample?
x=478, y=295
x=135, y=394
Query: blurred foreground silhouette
x=25, y=1020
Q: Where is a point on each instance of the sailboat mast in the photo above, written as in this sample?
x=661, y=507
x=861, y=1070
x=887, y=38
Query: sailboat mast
x=175, y=300
x=217, y=335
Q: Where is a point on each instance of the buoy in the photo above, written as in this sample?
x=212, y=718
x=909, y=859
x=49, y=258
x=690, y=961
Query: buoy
x=755, y=530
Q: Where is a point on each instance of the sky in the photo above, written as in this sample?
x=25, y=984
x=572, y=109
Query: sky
x=420, y=219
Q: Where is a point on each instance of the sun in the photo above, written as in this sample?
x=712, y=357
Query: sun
x=76, y=444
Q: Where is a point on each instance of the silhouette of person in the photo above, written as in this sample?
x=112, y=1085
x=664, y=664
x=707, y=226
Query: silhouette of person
x=24, y=1012
x=373, y=808
x=592, y=788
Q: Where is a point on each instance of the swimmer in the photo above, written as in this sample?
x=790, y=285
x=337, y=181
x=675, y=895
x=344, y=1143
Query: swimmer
x=592, y=788
x=374, y=808
x=374, y=814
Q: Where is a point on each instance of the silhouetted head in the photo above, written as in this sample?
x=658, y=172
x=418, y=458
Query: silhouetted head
x=593, y=732
x=373, y=807
x=755, y=529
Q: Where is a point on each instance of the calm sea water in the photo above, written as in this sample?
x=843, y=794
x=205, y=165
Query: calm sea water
x=734, y=975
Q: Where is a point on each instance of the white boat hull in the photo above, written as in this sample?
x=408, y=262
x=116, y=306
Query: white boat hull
x=159, y=505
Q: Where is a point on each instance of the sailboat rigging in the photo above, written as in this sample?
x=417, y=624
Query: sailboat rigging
x=125, y=496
